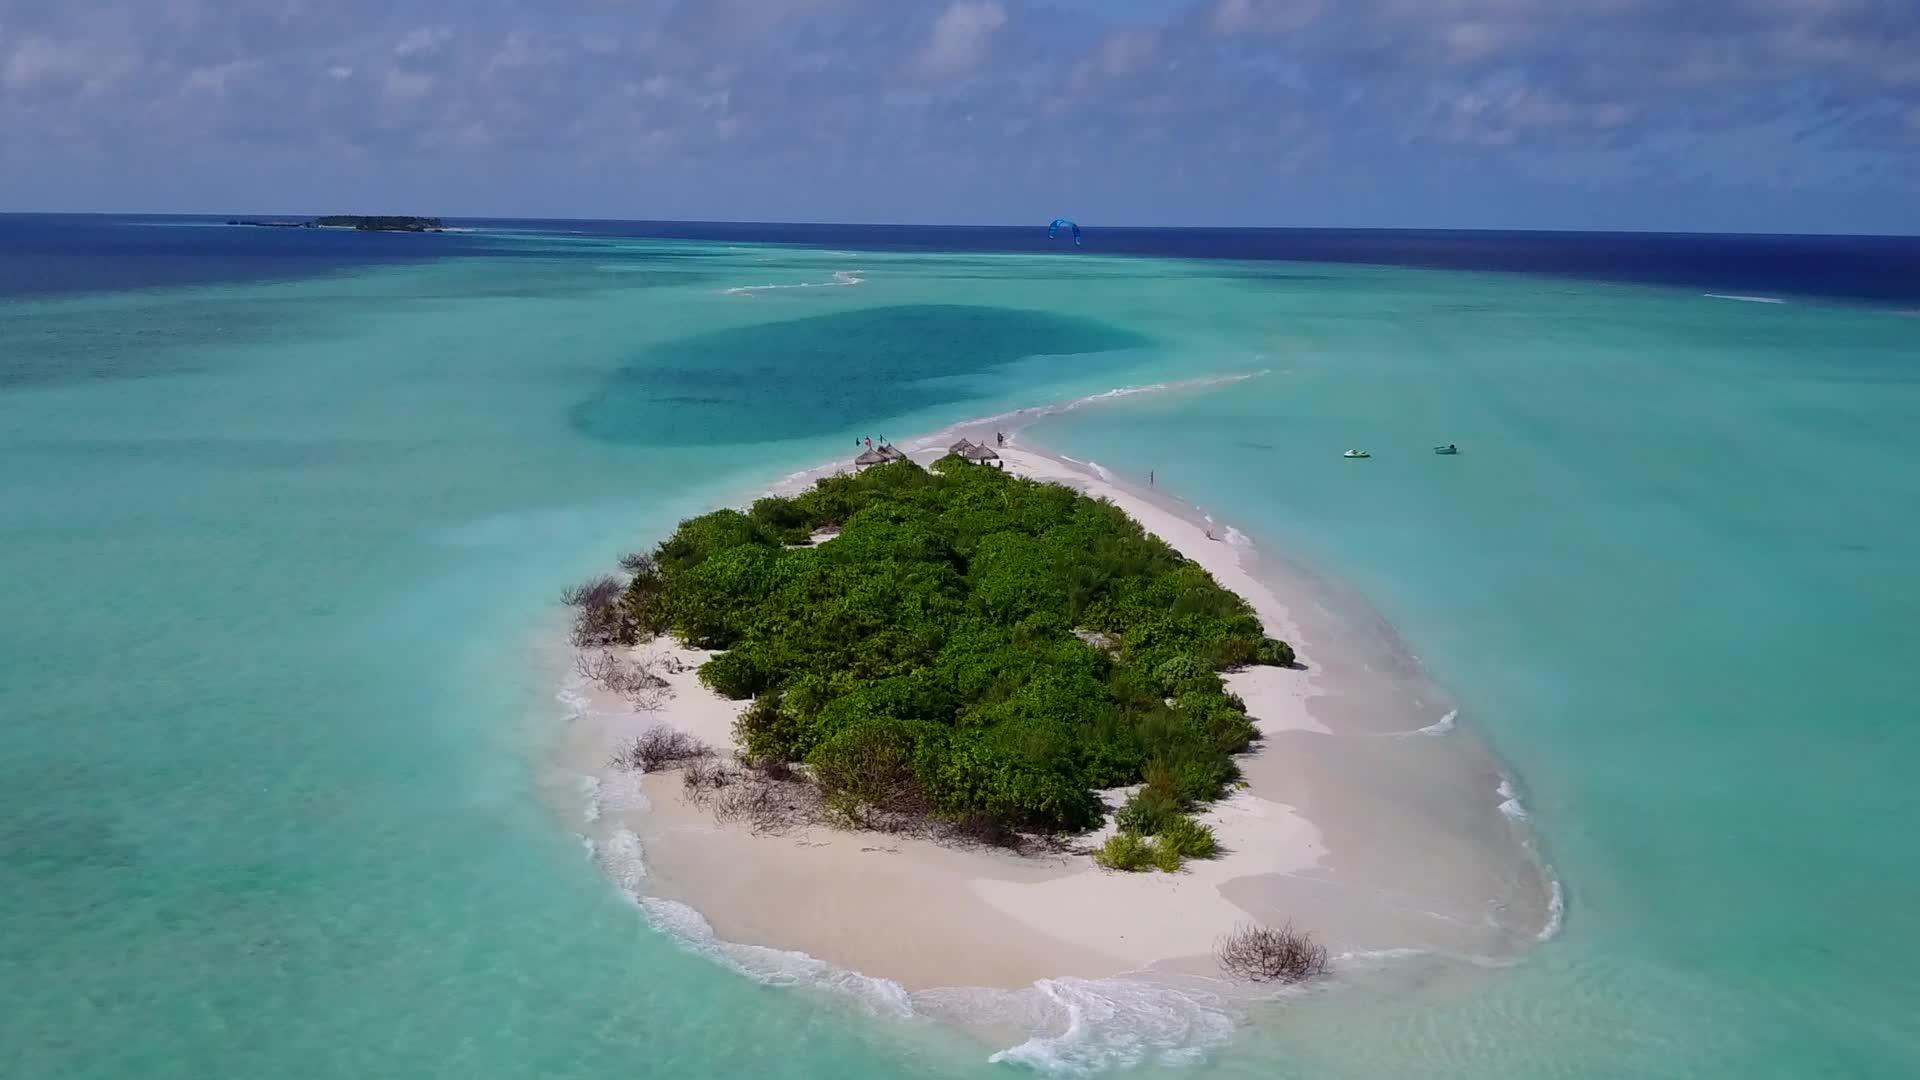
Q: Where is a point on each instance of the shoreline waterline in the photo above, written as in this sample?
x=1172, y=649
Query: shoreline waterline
x=1384, y=847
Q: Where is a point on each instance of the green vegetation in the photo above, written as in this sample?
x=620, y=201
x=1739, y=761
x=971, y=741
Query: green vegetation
x=1127, y=851
x=923, y=662
x=1153, y=835
x=1188, y=838
x=380, y=223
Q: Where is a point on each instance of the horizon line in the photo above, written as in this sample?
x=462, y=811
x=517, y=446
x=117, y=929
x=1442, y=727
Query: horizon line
x=958, y=225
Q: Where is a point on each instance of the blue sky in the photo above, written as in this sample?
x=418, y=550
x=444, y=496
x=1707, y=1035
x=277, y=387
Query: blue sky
x=1771, y=115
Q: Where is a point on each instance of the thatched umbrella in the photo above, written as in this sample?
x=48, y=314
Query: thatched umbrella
x=869, y=459
x=960, y=448
x=981, y=454
x=890, y=453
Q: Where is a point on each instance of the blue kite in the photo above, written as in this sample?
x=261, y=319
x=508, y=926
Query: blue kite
x=1053, y=230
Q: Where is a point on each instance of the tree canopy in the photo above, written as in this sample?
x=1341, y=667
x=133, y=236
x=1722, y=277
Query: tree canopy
x=925, y=659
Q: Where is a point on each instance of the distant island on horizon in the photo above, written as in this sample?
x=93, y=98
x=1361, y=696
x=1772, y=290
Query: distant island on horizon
x=357, y=222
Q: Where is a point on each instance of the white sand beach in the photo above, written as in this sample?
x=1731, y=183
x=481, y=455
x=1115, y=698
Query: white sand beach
x=1371, y=836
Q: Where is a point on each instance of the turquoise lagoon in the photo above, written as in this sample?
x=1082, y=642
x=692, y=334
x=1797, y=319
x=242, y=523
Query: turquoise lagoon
x=281, y=558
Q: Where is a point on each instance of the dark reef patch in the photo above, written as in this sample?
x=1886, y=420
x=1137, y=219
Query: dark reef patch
x=824, y=373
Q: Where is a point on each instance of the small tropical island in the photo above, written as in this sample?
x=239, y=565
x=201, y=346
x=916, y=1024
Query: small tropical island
x=969, y=651
x=357, y=222
x=995, y=719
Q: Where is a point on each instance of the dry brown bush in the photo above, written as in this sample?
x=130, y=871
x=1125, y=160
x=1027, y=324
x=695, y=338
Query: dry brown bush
x=661, y=748
x=594, y=592
x=704, y=776
x=637, y=679
x=1261, y=954
x=604, y=617
x=639, y=563
x=768, y=806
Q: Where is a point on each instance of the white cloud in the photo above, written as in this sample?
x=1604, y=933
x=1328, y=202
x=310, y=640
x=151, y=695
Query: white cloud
x=43, y=63
x=961, y=37
x=405, y=86
x=422, y=42
x=214, y=78
x=1233, y=17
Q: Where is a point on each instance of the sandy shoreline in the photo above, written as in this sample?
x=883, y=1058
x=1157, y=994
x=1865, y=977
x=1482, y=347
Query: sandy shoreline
x=1371, y=835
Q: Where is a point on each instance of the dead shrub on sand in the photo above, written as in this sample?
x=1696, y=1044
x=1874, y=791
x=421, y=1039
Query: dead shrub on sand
x=593, y=593
x=1261, y=954
x=768, y=806
x=706, y=775
x=604, y=618
x=637, y=679
x=661, y=748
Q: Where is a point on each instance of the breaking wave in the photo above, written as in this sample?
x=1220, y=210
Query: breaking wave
x=1744, y=299
x=1118, y=1023
x=841, y=278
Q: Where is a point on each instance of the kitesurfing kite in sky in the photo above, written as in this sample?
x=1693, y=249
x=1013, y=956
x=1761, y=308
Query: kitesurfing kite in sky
x=1053, y=230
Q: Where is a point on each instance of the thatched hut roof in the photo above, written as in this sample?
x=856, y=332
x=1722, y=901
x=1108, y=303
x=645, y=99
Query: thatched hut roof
x=960, y=448
x=890, y=453
x=871, y=457
x=979, y=453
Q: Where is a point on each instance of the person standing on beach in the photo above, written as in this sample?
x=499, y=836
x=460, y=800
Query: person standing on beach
x=1149, y=477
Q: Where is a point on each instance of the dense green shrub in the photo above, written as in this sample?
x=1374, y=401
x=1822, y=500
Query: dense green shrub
x=1187, y=837
x=1126, y=851
x=733, y=675
x=782, y=517
x=1148, y=810
x=926, y=655
x=769, y=730
x=698, y=538
x=871, y=764
x=1274, y=653
x=1178, y=673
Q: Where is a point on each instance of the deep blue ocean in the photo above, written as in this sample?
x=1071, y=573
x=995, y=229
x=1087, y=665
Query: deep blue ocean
x=53, y=253
x=284, y=515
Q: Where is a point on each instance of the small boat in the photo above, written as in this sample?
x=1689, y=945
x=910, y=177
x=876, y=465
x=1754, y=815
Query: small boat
x=1447, y=449
x=1356, y=453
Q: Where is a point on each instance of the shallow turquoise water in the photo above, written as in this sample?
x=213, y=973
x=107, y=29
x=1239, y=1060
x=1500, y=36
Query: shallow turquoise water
x=280, y=561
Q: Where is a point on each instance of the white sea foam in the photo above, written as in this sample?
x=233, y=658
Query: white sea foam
x=1441, y=726
x=1376, y=956
x=1510, y=801
x=577, y=703
x=1080, y=1025
x=1238, y=538
x=624, y=861
x=1556, y=909
x=590, y=787
x=1100, y=471
x=1120, y=1023
x=1744, y=299
x=841, y=278
x=774, y=967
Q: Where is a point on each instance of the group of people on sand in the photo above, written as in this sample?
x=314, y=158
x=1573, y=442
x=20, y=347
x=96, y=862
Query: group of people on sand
x=999, y=439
